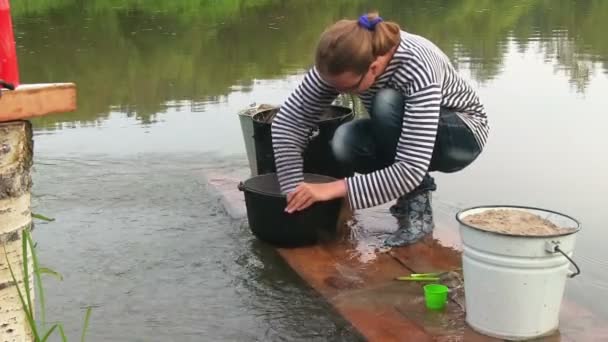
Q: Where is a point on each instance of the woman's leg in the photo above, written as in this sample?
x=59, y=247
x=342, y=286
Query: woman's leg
x=455, y=145
x=354, y=146
x=455, y=148
x=368, y=145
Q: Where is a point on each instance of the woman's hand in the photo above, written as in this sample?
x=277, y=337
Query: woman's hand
x=306, y=194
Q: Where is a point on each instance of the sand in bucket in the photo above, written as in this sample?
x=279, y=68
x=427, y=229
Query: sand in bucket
x=515, y=222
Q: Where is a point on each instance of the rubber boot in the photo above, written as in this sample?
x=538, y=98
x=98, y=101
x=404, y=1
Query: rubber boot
x=414, y=214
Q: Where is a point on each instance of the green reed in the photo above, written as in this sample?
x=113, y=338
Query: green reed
x=39, y=331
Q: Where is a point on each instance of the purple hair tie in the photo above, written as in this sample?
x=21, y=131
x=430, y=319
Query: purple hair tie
x=369, y=24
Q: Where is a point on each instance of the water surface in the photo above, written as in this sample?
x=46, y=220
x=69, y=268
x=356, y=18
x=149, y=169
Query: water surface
x=159, y=85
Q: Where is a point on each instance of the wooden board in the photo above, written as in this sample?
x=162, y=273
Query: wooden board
x=356, y=275
x=32, y=100
x=363, y=289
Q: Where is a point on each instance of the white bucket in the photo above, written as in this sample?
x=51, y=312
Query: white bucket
x=514, y=285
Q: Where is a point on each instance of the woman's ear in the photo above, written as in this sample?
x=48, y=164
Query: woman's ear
x=374, y=68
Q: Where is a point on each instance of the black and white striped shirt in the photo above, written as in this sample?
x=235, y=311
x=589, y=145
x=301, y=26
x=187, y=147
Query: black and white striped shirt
x=425, y=75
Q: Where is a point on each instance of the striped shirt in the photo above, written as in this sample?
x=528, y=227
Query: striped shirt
x=422, y=72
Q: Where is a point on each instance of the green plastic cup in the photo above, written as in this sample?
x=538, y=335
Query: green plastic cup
x=435, y=296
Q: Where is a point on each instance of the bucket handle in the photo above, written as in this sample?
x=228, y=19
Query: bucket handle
x=555, y=249
x=578, y=270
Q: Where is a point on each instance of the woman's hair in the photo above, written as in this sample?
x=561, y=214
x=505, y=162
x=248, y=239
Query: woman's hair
x=352, y=45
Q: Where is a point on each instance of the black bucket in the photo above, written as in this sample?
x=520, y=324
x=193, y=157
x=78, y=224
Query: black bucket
x=269, y=222
x=318, y=156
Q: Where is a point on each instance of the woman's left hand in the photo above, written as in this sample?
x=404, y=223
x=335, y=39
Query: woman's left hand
x=306, y=194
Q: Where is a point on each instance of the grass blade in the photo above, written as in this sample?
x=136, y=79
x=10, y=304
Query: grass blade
x=85, y=326
x=419, y=278
x=26, y=278
x=38, y=281
x=46, y=270
x=28, y=313
x=62, y=333
x=48, y=333
x=42, y=217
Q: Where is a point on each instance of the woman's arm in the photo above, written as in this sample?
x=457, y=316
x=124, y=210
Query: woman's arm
x=413, y=155
x=416, y=143
x=291, y=126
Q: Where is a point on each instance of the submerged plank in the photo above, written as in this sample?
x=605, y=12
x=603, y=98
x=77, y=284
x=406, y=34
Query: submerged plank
x=357, y=290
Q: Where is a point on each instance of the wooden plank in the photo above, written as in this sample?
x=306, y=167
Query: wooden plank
x=364, y=293
x=32, y=100
x=428, y=256
x=362, y=290
x=355, y=275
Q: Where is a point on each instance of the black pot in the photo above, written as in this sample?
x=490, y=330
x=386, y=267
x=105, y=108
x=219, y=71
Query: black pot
x=318, y=157
x=269, y=222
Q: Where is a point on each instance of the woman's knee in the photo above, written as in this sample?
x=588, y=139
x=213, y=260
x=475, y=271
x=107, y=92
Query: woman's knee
x=342, y=142
x=352, y=141
x=387, y=106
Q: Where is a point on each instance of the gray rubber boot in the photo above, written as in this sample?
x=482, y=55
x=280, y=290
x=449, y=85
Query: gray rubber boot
x=414, y=215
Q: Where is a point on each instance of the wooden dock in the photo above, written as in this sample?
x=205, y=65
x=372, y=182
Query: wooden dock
x=357, y=276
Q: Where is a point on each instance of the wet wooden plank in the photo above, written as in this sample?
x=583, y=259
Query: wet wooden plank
x=382, y=302
x=32, y=100
x=384, y=325
x=428, y=256
x=357, y=288
x=579, y=324
x=356, y=275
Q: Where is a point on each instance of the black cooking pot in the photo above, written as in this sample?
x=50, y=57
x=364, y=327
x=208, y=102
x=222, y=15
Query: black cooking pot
x=269, y=222
x=317, y=156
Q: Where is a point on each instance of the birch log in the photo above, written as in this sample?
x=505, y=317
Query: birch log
x=16, y=149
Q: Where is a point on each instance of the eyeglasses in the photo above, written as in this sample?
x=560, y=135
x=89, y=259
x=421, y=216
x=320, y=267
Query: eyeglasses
x=355, y=87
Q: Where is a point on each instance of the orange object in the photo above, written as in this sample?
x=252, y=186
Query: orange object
x=9, y=71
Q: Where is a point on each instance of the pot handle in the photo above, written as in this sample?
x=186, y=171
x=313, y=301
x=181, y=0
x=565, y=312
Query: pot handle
x=241, y=187
x=554, y=248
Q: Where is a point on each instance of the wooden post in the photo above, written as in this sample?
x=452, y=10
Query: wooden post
x=16, y=153
x=15, y=183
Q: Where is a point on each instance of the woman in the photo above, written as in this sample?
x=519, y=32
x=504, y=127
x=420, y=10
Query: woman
x=423, y=117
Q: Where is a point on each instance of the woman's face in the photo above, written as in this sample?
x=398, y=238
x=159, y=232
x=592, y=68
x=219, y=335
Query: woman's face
x=350, y=82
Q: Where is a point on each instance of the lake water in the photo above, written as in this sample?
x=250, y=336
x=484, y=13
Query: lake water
x=160, y=83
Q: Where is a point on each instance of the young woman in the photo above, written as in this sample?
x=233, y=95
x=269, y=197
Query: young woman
x=423, y=117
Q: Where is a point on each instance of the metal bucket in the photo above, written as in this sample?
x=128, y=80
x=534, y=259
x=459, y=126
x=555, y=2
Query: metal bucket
x=246, y=122
x=514, y=284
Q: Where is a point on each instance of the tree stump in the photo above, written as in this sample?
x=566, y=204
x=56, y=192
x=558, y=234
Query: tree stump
x=16, y=151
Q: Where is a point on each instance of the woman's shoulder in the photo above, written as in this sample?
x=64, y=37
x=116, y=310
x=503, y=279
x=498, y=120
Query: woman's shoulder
x=414, y=47
x=413, y=42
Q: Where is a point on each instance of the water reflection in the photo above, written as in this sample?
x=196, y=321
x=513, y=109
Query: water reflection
x=136, y=57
